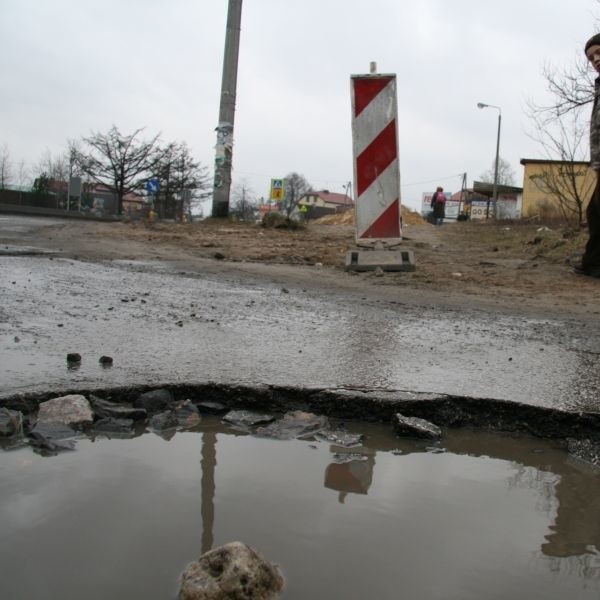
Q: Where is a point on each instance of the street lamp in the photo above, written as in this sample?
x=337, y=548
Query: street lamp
x=495, y=193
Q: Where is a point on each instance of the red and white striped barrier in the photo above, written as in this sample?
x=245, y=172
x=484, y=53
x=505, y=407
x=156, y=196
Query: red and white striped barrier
x=376, y=165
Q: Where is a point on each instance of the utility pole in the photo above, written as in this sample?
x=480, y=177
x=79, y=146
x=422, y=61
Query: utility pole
x=496, y=167
x=463, y=195
x=224, y=147
x=495, y=192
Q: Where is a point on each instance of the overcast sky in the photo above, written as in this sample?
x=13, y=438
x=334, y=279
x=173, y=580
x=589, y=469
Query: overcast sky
x=69, y=67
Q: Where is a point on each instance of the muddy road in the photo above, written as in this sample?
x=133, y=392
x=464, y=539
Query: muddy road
x=188, y=319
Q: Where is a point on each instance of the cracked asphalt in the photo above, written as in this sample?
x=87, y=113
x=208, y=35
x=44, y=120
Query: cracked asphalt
x=187, y=322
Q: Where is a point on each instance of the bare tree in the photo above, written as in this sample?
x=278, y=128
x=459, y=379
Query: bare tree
x=192, y=181
x=565, y=140
x=560, y=126
x=5, y=167
x=295, y=187
x=244, y=204
x=569, y=88
x=54, y=167
x=506, y=175
x=118, y=161
x=182, y=180
x=23, y=174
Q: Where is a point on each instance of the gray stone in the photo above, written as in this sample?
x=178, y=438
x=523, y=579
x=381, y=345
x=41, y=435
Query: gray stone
x=233, y=572
x=211, y=408
x=415, y=427
x=154, y=400
x=54, y=431
x=163, y=421
x=114, y=425
x=104, y=409
x=187, y=414
x=11, y=422
x=73, y=357
x=247, y=418
x=73, y=410
x=585, y=450
x=50, y=438
x=341, y=458
x=341, y=438
x=294, y=424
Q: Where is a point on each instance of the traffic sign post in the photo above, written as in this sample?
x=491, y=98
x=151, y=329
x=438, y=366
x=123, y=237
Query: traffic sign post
x=376, y=175
x=277, y=189
x=152, y=186
x=376, y=165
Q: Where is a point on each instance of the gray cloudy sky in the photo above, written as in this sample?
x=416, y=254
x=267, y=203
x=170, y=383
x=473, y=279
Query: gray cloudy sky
x=72, y=66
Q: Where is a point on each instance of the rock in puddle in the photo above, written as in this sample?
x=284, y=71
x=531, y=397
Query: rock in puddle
x=73, y=410
x=585, y=450
x=11, y=422
x=415, y=427
x=104, y=409
x=247, y=418
x=163, y=421
x=114, y=425
x=187, y=414
x=212, y=408
x=293, y=425
x=235, y=571
x=341, y=438
x=51, y=438
x=154, y=400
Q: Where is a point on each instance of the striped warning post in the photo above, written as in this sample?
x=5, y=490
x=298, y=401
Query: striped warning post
x=375, y=154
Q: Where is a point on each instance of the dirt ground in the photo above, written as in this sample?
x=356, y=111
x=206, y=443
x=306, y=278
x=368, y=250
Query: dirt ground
x=510, y=265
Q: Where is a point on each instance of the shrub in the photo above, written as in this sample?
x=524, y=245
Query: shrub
x=277, y=220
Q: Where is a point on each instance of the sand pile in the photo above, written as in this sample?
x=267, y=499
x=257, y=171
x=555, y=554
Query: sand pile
x=409, y=217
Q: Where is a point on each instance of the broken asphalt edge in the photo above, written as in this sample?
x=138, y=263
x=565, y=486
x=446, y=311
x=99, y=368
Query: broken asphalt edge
x=357, y=404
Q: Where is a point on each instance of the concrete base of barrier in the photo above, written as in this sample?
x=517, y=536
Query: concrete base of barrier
x=387, y=260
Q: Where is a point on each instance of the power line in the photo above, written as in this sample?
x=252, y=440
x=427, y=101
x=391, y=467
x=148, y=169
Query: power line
x=434, y=180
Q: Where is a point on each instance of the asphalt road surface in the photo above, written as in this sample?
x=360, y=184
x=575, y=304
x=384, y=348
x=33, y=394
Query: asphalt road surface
x=169, y=322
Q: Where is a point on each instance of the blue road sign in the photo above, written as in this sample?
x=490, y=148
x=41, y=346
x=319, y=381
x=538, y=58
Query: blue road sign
x=152, y=186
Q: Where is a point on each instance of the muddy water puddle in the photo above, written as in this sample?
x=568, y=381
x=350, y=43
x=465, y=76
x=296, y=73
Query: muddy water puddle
x=476, y=516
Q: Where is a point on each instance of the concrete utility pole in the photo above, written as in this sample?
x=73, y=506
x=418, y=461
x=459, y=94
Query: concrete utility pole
x=224, y=148
x=495, y=192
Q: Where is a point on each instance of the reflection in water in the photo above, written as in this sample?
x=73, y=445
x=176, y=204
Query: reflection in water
x=491, y=516
x=350, y=473
x=566, y=488
x=208, y=463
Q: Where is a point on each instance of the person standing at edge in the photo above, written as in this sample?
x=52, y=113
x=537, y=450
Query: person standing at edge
x=590, y=263
x=438, y=203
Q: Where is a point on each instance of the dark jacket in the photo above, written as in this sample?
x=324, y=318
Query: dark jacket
x=595, y=130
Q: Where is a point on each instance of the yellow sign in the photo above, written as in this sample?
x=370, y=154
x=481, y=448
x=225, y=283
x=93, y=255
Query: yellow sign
x=277, y=189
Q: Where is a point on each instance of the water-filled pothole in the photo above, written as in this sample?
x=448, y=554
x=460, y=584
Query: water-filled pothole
x=477, y=515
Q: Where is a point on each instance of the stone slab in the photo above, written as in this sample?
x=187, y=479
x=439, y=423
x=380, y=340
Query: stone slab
x=387, y=260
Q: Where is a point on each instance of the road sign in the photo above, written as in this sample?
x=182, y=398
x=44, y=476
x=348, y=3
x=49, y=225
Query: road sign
x=152, y=186
x=277, y=189
x=375, y=153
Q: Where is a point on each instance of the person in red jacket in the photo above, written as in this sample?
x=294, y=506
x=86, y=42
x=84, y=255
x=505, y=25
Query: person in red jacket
x=438, y=203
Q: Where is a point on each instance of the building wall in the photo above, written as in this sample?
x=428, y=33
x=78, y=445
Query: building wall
x=538, y=200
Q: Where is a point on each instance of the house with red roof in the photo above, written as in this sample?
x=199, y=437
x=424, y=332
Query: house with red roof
x=318, y=204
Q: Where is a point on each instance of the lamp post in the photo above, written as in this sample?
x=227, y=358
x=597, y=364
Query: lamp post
x=495, y=192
